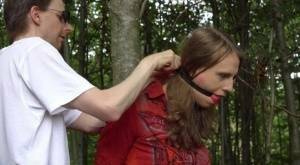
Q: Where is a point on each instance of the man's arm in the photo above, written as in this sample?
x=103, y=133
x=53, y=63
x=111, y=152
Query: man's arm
x=109, y=104
x=87, y=123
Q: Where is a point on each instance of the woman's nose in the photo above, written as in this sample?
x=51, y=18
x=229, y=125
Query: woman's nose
x=228, y=86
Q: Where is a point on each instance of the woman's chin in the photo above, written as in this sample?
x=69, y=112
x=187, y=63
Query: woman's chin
x=207, y=104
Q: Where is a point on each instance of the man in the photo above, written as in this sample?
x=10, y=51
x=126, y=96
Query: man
x=39, y=92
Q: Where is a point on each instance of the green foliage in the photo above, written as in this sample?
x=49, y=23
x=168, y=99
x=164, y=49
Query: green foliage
x=4, y=38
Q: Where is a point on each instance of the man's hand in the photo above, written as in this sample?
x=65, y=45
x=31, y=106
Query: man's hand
x=164, y=62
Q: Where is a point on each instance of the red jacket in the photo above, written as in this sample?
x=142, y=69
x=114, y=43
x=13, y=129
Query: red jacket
x=139, y=137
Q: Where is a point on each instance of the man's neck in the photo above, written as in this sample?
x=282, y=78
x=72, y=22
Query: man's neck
x=27, y=35
x=24, y=36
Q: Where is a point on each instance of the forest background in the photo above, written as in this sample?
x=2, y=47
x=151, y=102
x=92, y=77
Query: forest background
x=257, y=124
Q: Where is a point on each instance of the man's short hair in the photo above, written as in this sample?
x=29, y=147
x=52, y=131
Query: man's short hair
x=15, y=14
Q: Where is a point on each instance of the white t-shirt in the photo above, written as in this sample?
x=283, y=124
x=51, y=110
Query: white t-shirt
x=34, y=84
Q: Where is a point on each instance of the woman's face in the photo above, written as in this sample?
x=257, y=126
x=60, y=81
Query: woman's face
x=218, y=80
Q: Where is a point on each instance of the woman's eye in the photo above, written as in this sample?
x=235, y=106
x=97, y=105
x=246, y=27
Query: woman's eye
x=223, y=76
x=234, y=78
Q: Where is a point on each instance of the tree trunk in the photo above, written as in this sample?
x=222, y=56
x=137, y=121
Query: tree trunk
x=125, y=42
x=270, y=116
x=80, y=144
x=269, y=121
x=226, y=146
x=148, y=46
x=287, y=82
x=82, y=51
x=213, y=149
x=216, y=12
x=104, y=56
x=236, y=149
x=245, y=92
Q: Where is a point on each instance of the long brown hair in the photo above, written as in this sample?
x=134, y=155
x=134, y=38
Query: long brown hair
x=189, y=123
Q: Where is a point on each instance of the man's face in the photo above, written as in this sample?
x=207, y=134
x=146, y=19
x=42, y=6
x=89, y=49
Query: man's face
x=218, y=79
x=54, y=29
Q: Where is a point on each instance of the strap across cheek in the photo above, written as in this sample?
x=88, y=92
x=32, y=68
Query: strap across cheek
x=188, y=79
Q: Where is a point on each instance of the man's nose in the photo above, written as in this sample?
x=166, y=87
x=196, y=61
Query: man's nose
x=68, y=28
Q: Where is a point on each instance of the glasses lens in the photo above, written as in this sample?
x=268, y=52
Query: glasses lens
x=66, y=16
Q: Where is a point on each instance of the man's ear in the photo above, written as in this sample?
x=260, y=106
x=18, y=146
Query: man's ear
x=34, y=15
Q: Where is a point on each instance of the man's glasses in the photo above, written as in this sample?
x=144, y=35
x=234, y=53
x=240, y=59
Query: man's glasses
x=64, y=17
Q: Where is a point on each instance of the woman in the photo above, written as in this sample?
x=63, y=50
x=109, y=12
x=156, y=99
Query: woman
x=169, y=121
